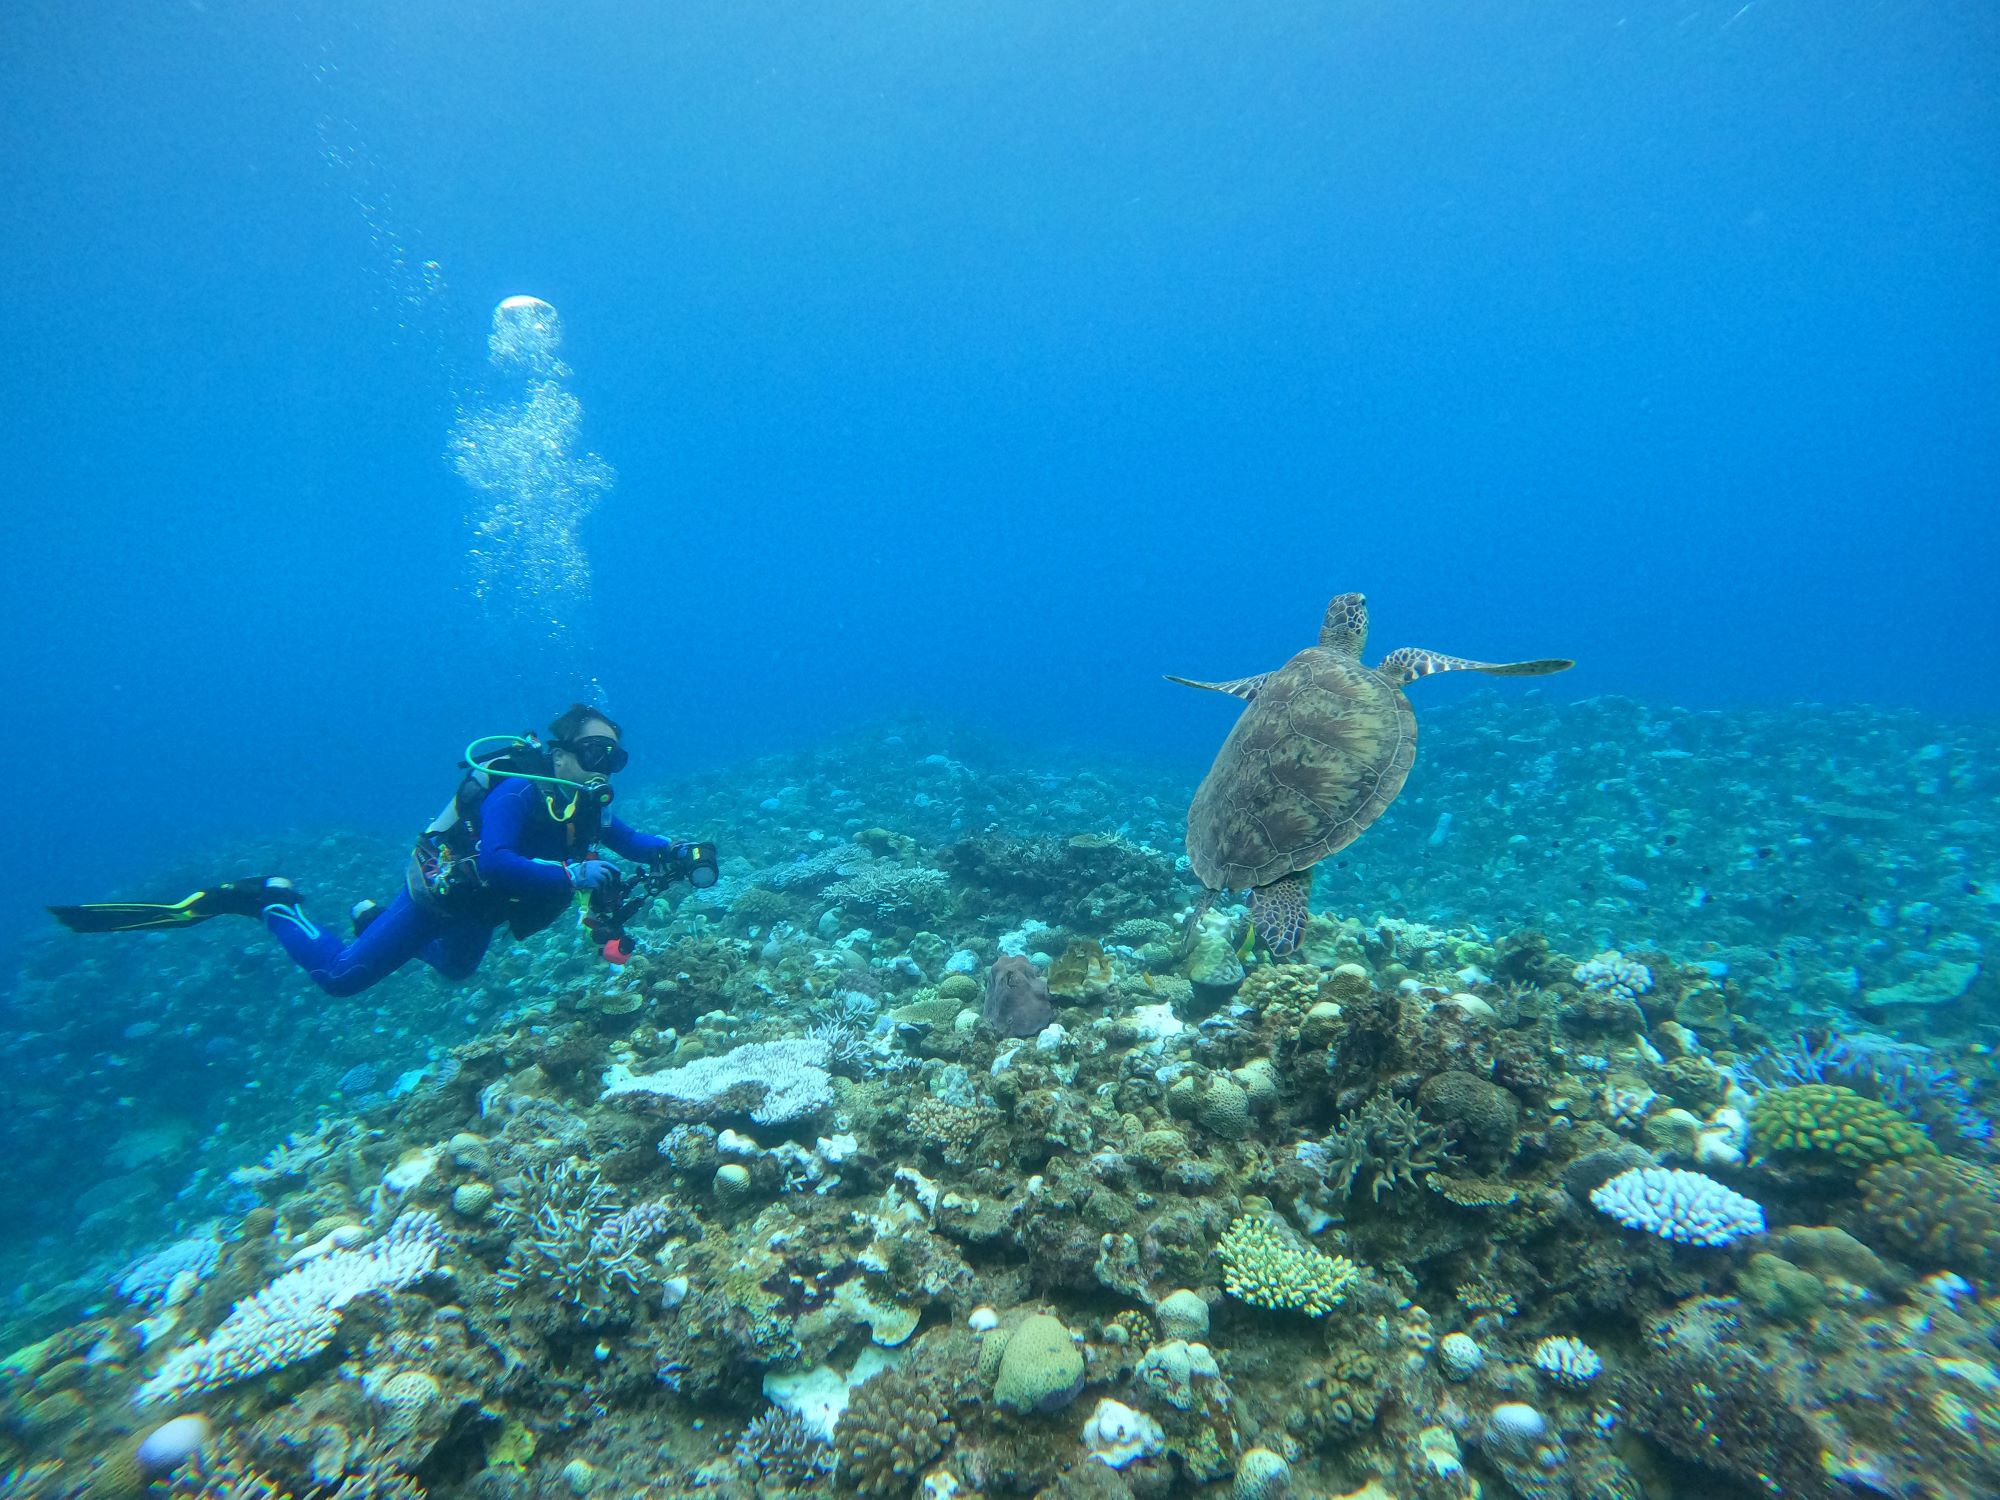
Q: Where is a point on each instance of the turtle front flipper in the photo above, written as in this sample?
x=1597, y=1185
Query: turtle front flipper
x=1410, y=663
x=1279, y=910
x=1242, y=687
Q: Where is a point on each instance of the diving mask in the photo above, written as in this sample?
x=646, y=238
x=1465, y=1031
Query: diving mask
x=598, y=754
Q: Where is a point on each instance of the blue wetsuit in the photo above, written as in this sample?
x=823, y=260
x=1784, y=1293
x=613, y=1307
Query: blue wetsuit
x=523, y=880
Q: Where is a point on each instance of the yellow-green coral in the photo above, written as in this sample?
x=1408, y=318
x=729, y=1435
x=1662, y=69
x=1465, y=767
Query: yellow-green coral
x=1265, y=1267
x=1828, y=1120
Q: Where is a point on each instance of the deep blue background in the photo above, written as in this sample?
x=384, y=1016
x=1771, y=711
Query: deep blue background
x=987, y=357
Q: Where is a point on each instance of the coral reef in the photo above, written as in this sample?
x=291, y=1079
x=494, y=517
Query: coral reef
x=1652, y=1199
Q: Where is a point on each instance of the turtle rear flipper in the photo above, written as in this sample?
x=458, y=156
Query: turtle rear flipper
x=1410, y=663
x=1279, y=911
x=1240, y=687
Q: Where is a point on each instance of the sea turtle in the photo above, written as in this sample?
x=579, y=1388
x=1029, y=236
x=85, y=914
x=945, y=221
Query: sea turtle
x=1321, y=750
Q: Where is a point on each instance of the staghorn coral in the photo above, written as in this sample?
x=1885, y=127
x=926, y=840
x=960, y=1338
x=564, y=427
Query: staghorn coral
x=297, y=1315
x=1265, y=1265
x=1385, y=1138
x=785, y=1449
x=1905, y=1076
x=575, y=1239
x=1825, y=1119
x=221, y=1470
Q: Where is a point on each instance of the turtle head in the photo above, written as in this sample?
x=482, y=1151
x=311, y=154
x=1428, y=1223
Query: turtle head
x=1345, y=628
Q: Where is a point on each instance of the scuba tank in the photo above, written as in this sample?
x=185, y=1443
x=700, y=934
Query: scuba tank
x=443, y=863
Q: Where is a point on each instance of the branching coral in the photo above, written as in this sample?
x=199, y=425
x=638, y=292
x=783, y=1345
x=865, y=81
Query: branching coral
x=889, y=892
x=785, y=1450
x=297, y=1315
x=1385, y=1138
x=575, y=1239
x=1265, y=1265
x=220, y=1470
x=895, y=1424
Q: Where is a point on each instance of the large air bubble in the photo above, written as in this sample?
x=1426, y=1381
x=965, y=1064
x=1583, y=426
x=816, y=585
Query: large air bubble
x=519, y=449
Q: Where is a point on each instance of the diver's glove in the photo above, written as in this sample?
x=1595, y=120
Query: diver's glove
x=589, y=874
x=689, y=860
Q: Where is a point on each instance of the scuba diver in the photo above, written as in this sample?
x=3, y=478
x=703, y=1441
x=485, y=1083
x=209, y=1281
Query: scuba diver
x=516, y=844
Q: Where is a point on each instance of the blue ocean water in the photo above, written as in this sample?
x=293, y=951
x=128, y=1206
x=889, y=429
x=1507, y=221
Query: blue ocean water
x=909, y=386
x=994, y=359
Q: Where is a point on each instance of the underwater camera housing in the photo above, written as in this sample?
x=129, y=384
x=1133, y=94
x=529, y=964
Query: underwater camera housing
x=697, y=863
x=614, y=902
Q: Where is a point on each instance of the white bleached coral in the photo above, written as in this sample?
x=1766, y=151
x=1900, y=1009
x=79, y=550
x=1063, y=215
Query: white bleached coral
x=155, y=1280
x=1684, y=1207
x=1612, y=973
x=1569, y=1362
x=772, y=1082
x=297, y=1315
x=1117, y=1435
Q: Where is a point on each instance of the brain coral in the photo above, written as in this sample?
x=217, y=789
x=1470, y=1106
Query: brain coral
x=1939, y=1210
x=1263, y=1265
x=1040, y=1368
x=1223, y=1107
x=1826, y=1119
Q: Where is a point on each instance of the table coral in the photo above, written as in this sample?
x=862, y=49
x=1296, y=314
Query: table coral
x=298, y=1315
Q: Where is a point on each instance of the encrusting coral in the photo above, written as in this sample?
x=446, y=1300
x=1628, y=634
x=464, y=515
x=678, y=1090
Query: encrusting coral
x=1828, y=1120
